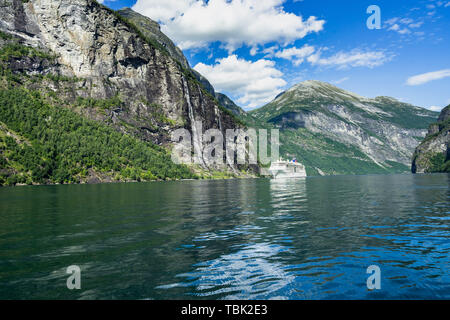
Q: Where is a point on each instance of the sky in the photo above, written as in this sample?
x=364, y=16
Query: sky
x=252, y=50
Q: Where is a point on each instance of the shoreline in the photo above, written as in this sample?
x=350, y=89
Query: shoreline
x=218, y=179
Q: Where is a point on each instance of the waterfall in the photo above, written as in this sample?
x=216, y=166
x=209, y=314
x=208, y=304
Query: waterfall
x=219, y=115
x=201, y=98
x=195, y=125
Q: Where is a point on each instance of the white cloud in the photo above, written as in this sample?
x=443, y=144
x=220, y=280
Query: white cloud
x=406, y=20
x=435, y=108
x=427, y=77
x=164, y=10
x=341, y=60
x=392, y=21
x=394, y=27
x=195, y=23
x=340, y=80
x=404, y=31
x=401, y=25
x=354, y=58
x=253, y=83
x=416, y=25
x=297, y=55
x=269, y=52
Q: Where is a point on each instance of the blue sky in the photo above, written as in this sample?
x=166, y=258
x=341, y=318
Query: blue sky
x=254, y=49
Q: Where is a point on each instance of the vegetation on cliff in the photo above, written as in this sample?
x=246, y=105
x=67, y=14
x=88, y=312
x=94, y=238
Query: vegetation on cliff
x=57, y=145
x=433, y=155
x=44, y=142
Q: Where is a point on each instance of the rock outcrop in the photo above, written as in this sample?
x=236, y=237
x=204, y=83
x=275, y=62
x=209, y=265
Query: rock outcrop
x=433, y=154
x=152, y=30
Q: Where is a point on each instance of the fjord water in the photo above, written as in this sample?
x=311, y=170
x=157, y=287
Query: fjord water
x=308, y=238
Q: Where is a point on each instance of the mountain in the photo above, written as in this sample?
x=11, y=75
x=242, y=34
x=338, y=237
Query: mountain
x=433, y=153
x=226, y=102
x=152, y=30
x=88, y=97
x=333, y=131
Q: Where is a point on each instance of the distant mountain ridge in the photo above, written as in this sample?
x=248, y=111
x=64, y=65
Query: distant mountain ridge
x=334, y=131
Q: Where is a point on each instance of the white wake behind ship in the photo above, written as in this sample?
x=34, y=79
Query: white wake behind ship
x=283, y=169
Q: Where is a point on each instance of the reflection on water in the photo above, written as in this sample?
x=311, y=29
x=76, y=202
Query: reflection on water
x=307, y=238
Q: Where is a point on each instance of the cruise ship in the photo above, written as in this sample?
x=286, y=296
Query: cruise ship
x=282, y=169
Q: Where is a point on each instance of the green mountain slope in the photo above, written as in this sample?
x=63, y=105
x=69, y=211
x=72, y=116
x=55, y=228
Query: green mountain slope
x=45, y=143
x=333, y=131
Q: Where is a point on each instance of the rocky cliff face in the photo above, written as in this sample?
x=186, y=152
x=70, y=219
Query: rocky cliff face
x=336, y=131
x=433, y=154
x=152, y=30
x=112, y=60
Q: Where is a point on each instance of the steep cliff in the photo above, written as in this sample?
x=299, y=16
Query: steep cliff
x=333, y=131
x=433, y=154
x=96, y=63
x=152, y=30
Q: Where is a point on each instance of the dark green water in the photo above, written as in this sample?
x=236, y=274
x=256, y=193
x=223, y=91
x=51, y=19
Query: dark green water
x=249, y=239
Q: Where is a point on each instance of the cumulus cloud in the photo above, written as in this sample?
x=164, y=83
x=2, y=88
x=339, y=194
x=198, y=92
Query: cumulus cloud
x=253, y=83
x=354, y=58
x=296, y=55
x=163, y=10
x=427, y=77
x=269, y=52
x=196, y=23
x=435, y=108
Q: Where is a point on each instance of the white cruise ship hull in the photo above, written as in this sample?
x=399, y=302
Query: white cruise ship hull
x=285, y=170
